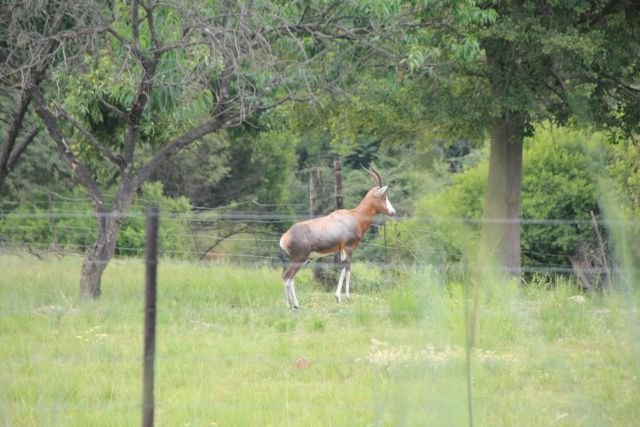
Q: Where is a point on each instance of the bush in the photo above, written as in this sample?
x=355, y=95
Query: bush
x=625, y=174
x=561, y=172
x=76, y=227
x=560, y=178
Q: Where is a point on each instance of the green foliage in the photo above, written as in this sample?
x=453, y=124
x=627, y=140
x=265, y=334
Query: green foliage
x=87, y=95
x=380, y=108
x=458, y=40
x=76, y=228
x=561, y=169
x=532, y=49
x=196, y=172
x=258, y=168
x=39, y=170
x=625, y=172
x=437, y=233
x=173, y=229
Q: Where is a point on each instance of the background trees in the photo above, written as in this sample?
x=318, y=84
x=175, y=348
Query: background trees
x=230, y=102
x=158, y=77
x=523, y=63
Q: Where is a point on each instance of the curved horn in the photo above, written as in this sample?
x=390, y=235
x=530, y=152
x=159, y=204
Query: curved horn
x=377, y=176
x=374, y=175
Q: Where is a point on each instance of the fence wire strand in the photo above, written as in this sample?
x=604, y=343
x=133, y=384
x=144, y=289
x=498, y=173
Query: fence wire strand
x=195, y=232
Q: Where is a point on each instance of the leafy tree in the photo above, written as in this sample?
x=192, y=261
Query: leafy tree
x=560, y=180
x=499, y=67
x=159, y=76
x=35, y=36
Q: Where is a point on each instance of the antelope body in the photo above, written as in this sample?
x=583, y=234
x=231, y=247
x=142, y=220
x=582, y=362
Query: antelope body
x=340, y=231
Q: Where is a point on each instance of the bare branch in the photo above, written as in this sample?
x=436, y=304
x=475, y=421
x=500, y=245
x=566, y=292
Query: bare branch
x=135, y=25
x=144, y=88
x=116, y=160
x=112, y=180
x=282, y=100
x=82, y=172
x=34, y=73
x=180, y=45
x=126, y=43
x=632, y=91
x=21, y=145
x=152, y=29
x=115, y=110
x=174, y=146
x=222, y=238
x=559, y=79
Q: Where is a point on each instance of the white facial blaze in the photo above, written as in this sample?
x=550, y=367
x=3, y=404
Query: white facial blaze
x=390, y=208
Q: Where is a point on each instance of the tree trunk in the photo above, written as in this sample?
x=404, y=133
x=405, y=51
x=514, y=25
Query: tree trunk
x=501, y=226
x=109, y=226
x=97, y=259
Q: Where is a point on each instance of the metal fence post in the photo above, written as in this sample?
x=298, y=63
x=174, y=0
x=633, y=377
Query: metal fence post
x=150, y=315
x=313, y=192
x=337, y=168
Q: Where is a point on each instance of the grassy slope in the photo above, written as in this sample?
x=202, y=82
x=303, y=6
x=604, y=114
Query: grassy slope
x=227, y=349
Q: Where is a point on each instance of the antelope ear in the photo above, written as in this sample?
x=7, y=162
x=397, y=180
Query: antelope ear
x=381, y=191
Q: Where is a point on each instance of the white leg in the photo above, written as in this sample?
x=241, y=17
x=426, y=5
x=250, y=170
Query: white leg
x=292, y=291
x=340, y=285
x=287, y=296
x=346, y=291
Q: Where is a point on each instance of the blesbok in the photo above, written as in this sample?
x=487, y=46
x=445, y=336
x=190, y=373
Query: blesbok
x=340, y=231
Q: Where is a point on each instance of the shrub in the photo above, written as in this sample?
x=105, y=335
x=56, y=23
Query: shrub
x=560, y=177
x=559, y=182
x=76, y=227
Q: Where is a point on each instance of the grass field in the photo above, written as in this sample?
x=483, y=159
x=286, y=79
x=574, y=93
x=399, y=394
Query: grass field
x=228, y=351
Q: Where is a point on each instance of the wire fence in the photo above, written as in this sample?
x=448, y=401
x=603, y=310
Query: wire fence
x=248, y=234
x=63, y=225
x=250, y=239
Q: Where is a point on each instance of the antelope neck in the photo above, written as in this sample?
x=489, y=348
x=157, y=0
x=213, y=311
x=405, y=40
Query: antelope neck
x=364, y=214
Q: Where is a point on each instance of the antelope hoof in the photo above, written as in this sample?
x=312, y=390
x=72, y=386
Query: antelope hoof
x=348, y=297
x=338, y=298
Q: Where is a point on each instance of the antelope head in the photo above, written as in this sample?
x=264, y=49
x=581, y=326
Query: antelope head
x=377, y=196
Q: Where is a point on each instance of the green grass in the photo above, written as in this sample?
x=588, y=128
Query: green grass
x=227, y=350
